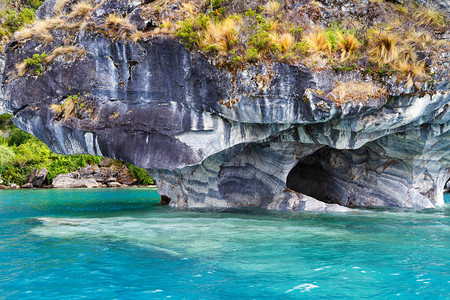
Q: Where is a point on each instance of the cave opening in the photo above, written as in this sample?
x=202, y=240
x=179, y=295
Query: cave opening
x=310, y=178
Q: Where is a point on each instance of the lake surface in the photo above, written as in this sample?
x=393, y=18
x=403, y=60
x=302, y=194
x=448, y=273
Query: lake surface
x=119, y=243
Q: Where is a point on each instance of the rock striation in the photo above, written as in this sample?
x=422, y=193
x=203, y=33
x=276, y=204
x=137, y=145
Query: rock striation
x=265, y=135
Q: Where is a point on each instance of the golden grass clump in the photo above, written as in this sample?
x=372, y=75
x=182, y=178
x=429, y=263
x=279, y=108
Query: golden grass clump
x=67, y=110
x=40, y=30
x=221, y=36
x=420, y=39
x=64, y=51
x=167, y=26
x=272, y=7
x=22, y=68
x=80, y=10
x=412, y=71
x=348, y=44
x=318, y=42
x=60, y=5
x=383, y=47
x=57, y=109
x=429, y=16
x=284, y=41
x=407, y=53
x=355, y=91
x=121, y=28
x=189, y=9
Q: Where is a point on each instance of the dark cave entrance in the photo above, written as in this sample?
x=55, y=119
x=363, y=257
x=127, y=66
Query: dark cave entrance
x=309, y=177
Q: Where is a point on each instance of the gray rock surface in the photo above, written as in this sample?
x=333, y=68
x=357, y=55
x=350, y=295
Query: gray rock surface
x=264, y=135
x=38, y=177
x=73, y=180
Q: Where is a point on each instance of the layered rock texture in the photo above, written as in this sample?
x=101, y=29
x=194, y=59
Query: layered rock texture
x=265, y=135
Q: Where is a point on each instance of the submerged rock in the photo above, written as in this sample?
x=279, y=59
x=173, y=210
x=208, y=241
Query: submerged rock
x=267, y=135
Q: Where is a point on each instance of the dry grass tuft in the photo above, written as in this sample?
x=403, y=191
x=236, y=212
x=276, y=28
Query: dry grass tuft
x=348, y=44
x=272, y=7
x=411, y=71
x=407, y=53
x=22, y=68
x=189, y=9
x=80, y=10
x=64, y=51
x=69, y=108
x=420, y=39
x=121, y=28
x=318, y=42
x=167, y=26
x=40, y=30
x=221, y=36
x=356, y=91
x=430, y=16
x=383, y=47
x=286, y=41
x=57, y=109
x=60, y=5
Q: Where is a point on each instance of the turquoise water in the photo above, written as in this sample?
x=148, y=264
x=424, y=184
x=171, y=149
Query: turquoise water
x=105, y=244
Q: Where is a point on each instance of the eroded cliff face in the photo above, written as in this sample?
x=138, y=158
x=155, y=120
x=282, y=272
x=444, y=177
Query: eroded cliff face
x=265, y=135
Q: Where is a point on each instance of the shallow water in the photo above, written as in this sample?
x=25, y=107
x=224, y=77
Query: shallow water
x=115, y=243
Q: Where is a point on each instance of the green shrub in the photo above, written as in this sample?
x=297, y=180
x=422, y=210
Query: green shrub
x=6, y=155
x=252, y=55
x=37, y=62
x=18, y=137
x=141, y=175
x=190, y=29
x=5, y=121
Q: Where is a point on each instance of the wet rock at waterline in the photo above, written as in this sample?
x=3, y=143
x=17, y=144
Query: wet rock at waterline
x=266, y=135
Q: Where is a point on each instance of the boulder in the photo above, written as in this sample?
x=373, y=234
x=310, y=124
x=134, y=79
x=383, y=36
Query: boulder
x=73, y=180
x=124, y=176
x=114, y=184
x=38, y=177
x=27, y=185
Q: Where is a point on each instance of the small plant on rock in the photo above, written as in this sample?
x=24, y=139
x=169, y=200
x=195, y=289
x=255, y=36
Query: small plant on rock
x=36, y=62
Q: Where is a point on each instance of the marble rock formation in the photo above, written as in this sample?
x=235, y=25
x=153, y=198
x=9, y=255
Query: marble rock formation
x=265, y=135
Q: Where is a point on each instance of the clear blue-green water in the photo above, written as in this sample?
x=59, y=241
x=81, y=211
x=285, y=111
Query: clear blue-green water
x=120, y=244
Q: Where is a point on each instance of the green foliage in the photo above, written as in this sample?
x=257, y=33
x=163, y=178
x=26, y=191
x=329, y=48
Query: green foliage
x=141, y=175
x=37, y=62
x=6, y=155
x=344, y=67
x=189, y=31
x=5, y=121
x=35, y=4
x=17, y=137
x=302, y=47
x=235, y=57
x=14, y=20
x=14, y=17
x=332, y=34
x=297, y=32
x=252, y=55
